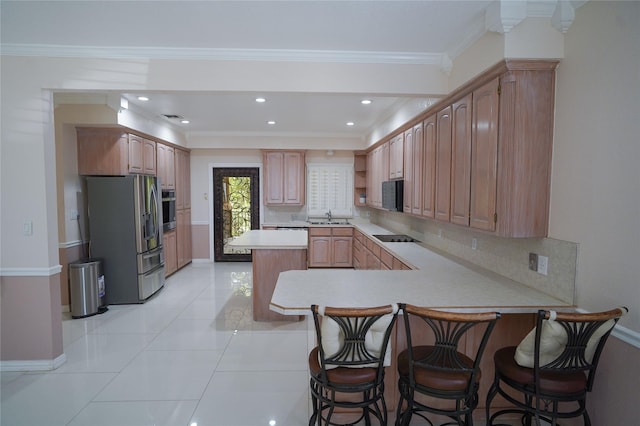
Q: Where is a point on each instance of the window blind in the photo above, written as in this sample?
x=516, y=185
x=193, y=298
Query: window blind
x=330, y=187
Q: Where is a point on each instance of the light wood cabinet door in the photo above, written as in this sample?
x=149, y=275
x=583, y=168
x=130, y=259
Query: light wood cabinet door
x=319, y=252
x=417, y=181
x=396, y=157
x=443, y=165
x=182, y=179
x=461, y=161
x=166, y=166
x=136, y=154
x=384, y=159
x=408, y=172
x=102, y=152
x=183, y=237
x=170, y=252
x=149, y=166
x=342, y=251
x=484, y=159
x=284, y=173
x=429, y=166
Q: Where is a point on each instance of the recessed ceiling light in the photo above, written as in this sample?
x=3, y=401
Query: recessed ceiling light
x=261, y=100
x=143, y=98
x=350, y=123
x=185, y=121
x=271, y=122
x=365, y=101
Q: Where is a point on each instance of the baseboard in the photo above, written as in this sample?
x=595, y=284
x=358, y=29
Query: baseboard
x=33, y=365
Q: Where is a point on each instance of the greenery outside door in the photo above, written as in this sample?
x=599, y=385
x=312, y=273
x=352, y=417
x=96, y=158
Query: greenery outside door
x=236, y=206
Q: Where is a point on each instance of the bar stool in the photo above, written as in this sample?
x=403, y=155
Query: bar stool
x=440, y=370
x=555, y=363
x=347, y=366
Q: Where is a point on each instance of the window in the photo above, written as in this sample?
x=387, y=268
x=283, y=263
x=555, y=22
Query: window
x=330, y=187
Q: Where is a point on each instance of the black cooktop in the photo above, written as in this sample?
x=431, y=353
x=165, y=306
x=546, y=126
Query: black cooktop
x=396, y=238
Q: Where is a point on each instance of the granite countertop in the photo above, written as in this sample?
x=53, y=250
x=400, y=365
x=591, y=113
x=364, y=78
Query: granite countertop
x=271, y=239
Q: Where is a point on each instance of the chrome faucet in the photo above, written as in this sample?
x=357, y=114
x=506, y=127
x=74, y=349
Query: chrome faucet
x=329, y=216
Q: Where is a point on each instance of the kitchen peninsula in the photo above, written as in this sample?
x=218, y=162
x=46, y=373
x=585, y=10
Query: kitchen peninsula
x=272, y=252
x=438, y=281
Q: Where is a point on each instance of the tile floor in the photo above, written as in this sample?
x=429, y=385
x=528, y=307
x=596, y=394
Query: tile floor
x=190, y=356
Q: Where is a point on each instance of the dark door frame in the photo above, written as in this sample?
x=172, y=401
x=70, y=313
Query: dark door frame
x=218, y=173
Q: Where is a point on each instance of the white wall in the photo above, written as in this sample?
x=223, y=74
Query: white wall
x=595, y=198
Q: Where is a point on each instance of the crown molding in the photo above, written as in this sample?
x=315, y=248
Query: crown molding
x=279, y=55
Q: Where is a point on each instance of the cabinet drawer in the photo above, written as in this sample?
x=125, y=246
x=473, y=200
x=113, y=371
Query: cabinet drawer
x=342, y=232
x=373, y=247
x=319, y=231
x=358, y=236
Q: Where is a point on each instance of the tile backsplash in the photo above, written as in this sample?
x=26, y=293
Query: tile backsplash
x=508, y=257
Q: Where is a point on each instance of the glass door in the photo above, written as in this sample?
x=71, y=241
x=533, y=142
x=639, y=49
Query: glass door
x=236, y=206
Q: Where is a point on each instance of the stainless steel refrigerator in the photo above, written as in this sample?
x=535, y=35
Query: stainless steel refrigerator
x=125, y=225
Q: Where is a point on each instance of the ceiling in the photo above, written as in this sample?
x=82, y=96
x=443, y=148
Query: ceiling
x=427, y=32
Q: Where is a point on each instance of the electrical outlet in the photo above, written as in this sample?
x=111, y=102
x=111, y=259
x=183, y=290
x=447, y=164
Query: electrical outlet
x=533, y=261
x=543, y=264
x=474, y=244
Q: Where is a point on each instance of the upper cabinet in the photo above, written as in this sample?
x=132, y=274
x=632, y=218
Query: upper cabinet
x=483, y=158
x=284, y=173
x=396, y=157
x=114, y=152
x=166, y=166
x=183, y=179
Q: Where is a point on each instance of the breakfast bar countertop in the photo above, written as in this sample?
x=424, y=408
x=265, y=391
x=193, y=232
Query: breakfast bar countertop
x=271, y=240
x=447, y=288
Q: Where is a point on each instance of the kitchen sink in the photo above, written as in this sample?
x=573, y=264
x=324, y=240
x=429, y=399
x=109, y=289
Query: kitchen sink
x=324, y=222
x=395, y=238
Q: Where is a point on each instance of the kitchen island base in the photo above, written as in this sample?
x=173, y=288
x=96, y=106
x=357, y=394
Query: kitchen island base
x=267, y=265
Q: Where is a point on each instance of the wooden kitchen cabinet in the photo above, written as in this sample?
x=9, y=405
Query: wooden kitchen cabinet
x=182, y=179
x=429, y=166
x=461, y=160
x=408, y=171
x=114, y=152
x=443, y=165
x=183, y=237
x=330, y=247
x=166, y=166
x=396, y=157
x=484, y=156
x=170, y=252
x=142, y=155
x=284, y=173
x=413, y=147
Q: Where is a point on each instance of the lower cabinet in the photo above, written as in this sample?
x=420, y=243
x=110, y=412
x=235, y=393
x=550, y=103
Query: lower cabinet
x=170, y=252
x=183, y=236
x=367, y=254
x=330, y=247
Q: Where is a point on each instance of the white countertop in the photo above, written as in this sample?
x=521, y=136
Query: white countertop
x=446, y=287
x=271, y=239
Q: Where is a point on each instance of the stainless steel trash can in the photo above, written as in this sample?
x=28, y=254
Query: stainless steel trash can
x=86, y=282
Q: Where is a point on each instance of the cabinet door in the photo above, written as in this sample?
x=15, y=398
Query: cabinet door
x=443, y=164
x=136, y=154
x=484, y=159
x=149, y=165
x=182, y=179
x=102, y=152
x=342, y=250
x=170, y=252
x=429, y=167
x=294, y=178
x=417, y=157
x=183, y=237
x=166, y=166
x=384, y=159
x=461, y=161
x=396, y=157
x=408, y=171
x=319, y=252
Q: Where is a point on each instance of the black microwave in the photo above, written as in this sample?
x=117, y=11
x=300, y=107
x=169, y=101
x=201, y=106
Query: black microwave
x=168, y=210
x=393, y=195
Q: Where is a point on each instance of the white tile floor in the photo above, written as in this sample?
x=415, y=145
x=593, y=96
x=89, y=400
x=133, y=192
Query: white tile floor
x=190, y=356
